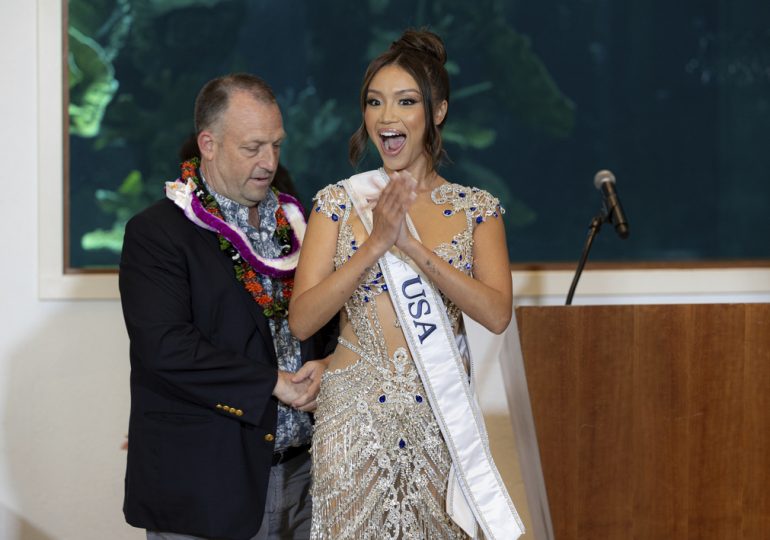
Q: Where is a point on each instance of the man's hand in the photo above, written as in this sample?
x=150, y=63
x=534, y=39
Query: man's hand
x=310, y=374
x=288, y=391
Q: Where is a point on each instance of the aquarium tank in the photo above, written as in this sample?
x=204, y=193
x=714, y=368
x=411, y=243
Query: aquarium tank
x=674, y=98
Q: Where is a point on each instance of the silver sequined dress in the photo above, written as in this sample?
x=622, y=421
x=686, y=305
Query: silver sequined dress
x=380, y=463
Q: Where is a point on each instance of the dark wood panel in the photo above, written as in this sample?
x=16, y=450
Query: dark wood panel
x=716, y=415
x=660, y=413
x=653, y=421
x=556, y=407
x=755, y=436
x=604, y=388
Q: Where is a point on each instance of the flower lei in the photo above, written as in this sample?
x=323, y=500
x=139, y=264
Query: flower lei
x=201, y=208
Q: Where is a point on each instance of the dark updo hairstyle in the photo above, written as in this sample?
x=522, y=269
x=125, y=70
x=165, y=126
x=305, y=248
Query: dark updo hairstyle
x=420, y=53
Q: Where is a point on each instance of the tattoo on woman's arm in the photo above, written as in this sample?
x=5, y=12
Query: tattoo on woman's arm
x=431, y=267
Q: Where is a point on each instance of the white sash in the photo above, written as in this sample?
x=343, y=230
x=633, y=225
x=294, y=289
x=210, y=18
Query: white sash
x=483, y=498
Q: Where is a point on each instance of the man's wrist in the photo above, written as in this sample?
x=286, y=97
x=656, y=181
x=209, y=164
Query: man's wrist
x=279, y=384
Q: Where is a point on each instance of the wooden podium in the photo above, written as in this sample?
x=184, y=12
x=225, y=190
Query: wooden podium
x=653, y=421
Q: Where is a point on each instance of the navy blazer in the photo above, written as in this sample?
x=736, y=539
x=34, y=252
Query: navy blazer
x=203, y=368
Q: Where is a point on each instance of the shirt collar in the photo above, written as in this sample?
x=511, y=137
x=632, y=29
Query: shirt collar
x=238, y=214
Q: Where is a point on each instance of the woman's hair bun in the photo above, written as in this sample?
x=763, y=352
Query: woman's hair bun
x=423, y=41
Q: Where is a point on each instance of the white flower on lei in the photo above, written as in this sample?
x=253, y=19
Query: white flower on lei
x=181, y=193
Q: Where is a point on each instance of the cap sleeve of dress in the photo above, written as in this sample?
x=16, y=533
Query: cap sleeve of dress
x=331, y=201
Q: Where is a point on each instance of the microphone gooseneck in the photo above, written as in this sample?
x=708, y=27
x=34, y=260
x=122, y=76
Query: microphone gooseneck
x=612, y=212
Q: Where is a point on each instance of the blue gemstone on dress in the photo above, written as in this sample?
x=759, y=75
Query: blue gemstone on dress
x=384, y=287
x=495, y=214
x=382, y=398
x=473, y=208
x=461, y=194
x=379, y=274
x=479, y=219
x=401, y=443
x=450, y=261
x=418, y=398
x=335, y=217
x=367, y=287
x=467, y=266
x=447, y=212
x=342, y=206
x=317, y=208
x=461, y=257
x=366, y=298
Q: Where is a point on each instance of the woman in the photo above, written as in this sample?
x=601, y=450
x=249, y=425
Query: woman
x=386, y=414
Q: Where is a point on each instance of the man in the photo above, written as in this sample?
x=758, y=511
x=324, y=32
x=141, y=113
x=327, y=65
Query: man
x=219, y=429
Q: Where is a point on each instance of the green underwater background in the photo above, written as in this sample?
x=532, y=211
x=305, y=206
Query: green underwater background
x=674, y=98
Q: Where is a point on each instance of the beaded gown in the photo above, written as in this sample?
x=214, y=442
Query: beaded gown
x=380, y=463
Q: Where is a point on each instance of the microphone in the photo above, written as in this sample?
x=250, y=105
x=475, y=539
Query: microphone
x=605, y=182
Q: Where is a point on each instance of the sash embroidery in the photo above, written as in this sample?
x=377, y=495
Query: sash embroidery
x=429, y=335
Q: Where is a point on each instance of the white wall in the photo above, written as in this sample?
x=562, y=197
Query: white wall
x=64, y=363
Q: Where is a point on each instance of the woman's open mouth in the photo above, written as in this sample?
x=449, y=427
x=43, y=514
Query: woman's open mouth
x=392, y=141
